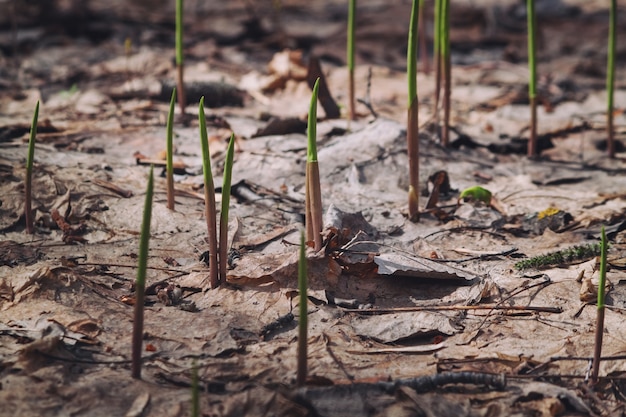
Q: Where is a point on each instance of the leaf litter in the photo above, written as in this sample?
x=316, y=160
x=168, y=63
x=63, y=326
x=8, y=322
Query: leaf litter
x=389, y=300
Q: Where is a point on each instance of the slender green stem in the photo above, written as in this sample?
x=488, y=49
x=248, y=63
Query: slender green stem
x=140, y=283
x=180, y=64
x=412, y=119
x=170, y=152
x=313, y=189
x=28, y=183
x=421, y=30
x=610, y=78
x=447, y=71
x=303, y=315
x=228, y=171
x=209, y=199
x=597, y=351
x=437, y=57
x=350, y=57
x=532, y=79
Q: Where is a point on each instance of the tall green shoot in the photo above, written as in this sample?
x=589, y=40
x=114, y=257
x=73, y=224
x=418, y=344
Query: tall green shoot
x=313, y=190
x=28, y=183
x=170, y=151
x=412, y=126
x=437, y=57
x=421, y=30
x=179, y=57
x=597, y=352
x=228, y=170
x=532, y=79
x=303, y=315
x=610, y=78
x=209, y=199
x=140, y=283
x=447, y=70
x=350, y=57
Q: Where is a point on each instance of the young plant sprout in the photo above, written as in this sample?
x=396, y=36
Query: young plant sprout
x=412, y=127
x=597, y=351
x=140, y=283
x=303, y=312
x=209, y=199
x=228, y=170
x=170, y=151
x=437, y=58
x=421, y=30
x=444, y=27
x=179, y=57
x=532, y=81
x=313, y=192
x=28, y=184
x=610, y=79
x=350, y=58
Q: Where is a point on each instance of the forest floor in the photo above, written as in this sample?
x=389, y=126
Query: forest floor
x=390, y=300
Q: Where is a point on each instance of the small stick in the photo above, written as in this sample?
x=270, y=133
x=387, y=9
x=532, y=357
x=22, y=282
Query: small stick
x=542, y=309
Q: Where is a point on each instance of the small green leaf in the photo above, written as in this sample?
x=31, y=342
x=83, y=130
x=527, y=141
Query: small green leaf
x=476, y=193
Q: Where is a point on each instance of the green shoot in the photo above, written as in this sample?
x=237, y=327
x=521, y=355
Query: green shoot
x=170, y=151
x=209, y=199
x=313, y=190
x=447, y=70
x=597, y=351
x=412, y=126
x=437, y=58
x=28, y=186
x=532, y=81
x=179, y=57
x=228, y=170
x=350, y=57
x=195, y=391
x=610, y=79
x=421, y=30
x=140, y=283
x=303, y=313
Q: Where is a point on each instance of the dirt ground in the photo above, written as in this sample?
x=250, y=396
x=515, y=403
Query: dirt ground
x=394, y=306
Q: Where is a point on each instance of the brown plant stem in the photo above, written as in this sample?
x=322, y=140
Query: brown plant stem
x=413, y=151
x=532, y=140
x=597, y=350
